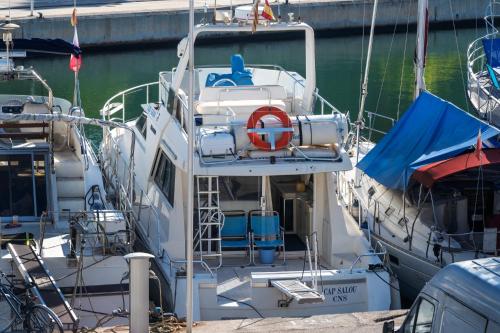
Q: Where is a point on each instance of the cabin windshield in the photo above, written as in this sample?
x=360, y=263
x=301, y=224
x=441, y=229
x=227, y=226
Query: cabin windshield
x=24, y=177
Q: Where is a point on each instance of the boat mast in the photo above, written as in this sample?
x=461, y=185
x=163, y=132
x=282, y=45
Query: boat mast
x=190, y=175
x=364, y=86
x=421, y=46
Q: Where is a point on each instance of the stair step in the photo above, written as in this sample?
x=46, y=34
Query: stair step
x=211, y=254
x=67, y=164
x=73, y=204
x=209, y=208
x=70, y=186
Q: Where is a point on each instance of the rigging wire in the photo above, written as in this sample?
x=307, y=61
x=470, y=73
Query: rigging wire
x=459, y=57
x=362, y=60
x=389, y=56
x=404, y=59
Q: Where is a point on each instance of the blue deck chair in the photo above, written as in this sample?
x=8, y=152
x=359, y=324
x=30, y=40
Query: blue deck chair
x=266, y=231
x=491, y=48
x=235, y=233
x=239, y=76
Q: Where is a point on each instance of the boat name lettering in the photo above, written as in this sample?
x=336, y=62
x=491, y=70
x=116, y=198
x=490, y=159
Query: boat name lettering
x=340, y=294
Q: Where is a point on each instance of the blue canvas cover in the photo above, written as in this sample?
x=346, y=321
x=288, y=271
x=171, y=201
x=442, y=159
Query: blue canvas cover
x=431, y=130
x=492, y=51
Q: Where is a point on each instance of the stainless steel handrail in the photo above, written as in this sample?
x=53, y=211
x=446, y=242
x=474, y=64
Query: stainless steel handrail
x=383, y=252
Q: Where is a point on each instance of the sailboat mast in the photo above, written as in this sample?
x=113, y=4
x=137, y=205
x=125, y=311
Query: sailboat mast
x=421, y=45
x=190, y=175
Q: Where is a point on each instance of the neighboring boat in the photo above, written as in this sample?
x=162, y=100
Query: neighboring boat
x=267, y=150
x=429, y=190
x=58, y=231
x=483, y=68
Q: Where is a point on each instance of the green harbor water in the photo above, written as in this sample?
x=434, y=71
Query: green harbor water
x=338, y=66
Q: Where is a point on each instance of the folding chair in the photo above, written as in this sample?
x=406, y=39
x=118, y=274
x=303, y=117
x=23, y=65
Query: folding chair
x=235, y=233
x=266, y=231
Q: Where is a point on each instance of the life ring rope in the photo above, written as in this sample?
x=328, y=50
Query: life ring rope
x=255, y=133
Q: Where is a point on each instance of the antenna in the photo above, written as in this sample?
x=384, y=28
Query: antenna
x=7, y=29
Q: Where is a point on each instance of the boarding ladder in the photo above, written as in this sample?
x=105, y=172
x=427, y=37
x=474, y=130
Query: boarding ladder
x=32, y=268
x=207, y=240
x=300, y=291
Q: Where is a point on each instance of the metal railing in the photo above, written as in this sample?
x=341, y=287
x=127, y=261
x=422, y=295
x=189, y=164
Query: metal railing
x=371, y=128
x=133, y=199
x=478, y=81
x=113, y=106
x=348, y=194
x=379, y=251
x=469, y=241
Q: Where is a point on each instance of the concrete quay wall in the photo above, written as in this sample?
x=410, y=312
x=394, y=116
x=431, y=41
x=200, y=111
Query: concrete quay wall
x=154, y=23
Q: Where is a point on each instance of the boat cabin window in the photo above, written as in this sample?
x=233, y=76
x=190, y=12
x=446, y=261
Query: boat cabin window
x=24, y=180
x=142, y=125
x=174, y=105
x=419, y=320
x=164, y=176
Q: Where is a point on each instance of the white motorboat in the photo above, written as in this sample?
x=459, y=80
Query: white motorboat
x=271, y=237
x=429, y=189
x=58, y=232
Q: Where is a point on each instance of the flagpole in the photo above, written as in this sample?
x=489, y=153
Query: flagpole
x=190, y=175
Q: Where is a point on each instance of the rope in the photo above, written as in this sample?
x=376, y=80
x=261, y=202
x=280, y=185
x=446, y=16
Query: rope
x=459, y=57
x=386, y=282
x=167, y=325
x=389, y=56
x=244, y=303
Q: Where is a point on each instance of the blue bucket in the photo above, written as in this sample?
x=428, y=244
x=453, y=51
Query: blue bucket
x=266, y=255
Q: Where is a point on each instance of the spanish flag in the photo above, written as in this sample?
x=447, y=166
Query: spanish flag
x=75, y=61
x=267, y=13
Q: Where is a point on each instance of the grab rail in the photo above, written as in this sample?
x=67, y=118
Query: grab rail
x=382, y=253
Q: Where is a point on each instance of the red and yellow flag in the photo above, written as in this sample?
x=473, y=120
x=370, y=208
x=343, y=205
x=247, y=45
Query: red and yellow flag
x=267, y=13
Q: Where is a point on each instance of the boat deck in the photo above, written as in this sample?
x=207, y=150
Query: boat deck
x=236, y=277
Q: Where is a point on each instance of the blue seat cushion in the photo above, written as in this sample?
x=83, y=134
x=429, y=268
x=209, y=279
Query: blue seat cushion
x=269, y=243
x=235, y=243
x=493, y=77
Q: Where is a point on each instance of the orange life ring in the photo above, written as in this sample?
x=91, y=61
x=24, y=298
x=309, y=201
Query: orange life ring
x=255, y=134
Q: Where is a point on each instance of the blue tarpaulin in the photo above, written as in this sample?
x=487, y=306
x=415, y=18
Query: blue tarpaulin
x=431, y=130
x=492, y=51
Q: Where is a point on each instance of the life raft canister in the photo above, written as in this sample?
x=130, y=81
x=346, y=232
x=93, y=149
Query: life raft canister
x=255, y=133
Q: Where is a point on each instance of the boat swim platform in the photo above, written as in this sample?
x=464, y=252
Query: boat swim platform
x=359, y=322
x=141, y=21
